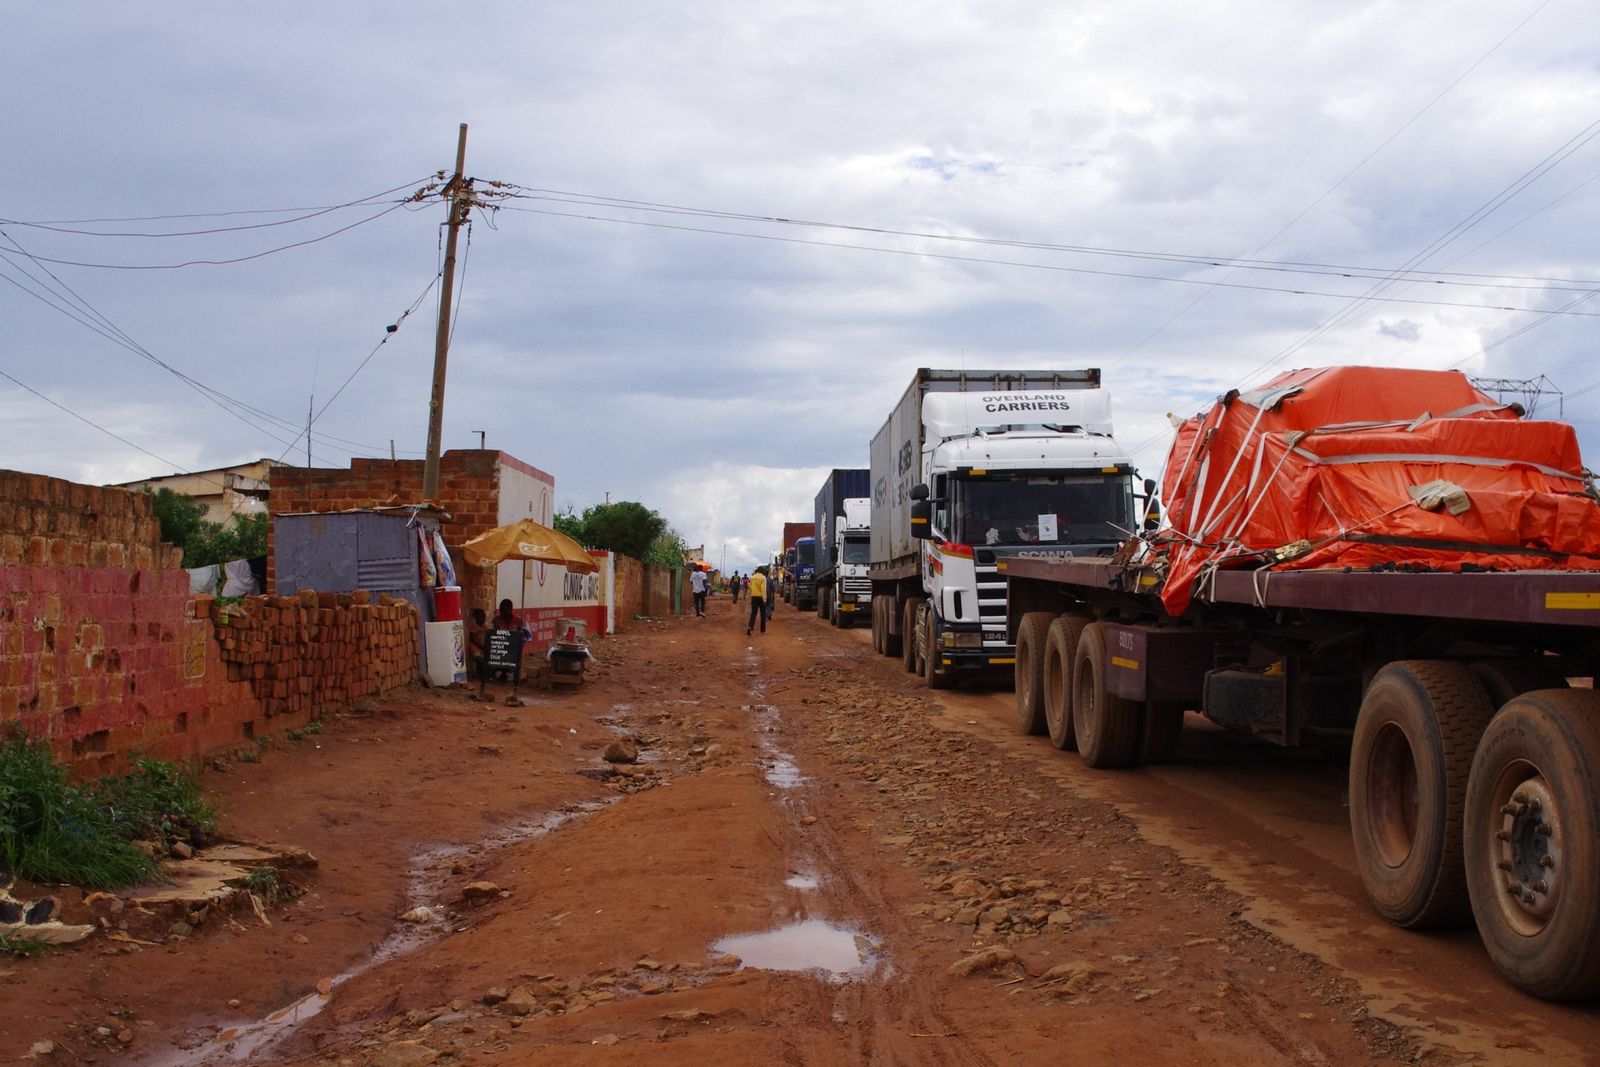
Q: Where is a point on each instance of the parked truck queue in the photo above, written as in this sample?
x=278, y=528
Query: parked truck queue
x=1385, y=561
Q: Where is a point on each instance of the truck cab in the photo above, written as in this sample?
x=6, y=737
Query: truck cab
x=1004, y=479
x=803, y=574
x=853, y=551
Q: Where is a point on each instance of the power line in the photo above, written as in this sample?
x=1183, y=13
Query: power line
x=389, y=331
x=1490, y=281
x=1342, y=179
x=94, y=320
x=217, y=262
x=304, y=215
x=1527, y=178
x=1043, y=266
x=95, y=425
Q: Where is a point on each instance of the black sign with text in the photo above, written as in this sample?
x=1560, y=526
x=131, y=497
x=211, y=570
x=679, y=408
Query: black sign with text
x=503, y=649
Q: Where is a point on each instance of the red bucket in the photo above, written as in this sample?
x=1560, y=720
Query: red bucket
x=447, y=604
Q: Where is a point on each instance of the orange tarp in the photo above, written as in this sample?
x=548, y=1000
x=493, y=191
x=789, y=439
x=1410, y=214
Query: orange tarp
x=1323, y=468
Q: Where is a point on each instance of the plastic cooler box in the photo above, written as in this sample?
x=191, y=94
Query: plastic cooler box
x=447, y=603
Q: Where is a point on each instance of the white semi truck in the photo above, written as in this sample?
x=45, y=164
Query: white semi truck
x=843, y=520
x=973, y=468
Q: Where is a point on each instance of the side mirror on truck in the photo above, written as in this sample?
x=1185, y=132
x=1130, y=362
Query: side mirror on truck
x=921, y=513
x=919, y=491
x=1152, y=506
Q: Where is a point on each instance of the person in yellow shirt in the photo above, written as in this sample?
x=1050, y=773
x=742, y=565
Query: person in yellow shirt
x=758, y=601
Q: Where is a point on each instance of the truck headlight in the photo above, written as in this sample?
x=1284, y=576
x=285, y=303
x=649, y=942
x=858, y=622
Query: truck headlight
x=958, y=639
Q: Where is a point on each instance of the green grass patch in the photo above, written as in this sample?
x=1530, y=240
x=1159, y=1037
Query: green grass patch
x=23, y=947
x=52, y=830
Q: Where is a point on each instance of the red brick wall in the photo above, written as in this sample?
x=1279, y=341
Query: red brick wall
x=469, y=489
x=103, y=653
x=302, y=655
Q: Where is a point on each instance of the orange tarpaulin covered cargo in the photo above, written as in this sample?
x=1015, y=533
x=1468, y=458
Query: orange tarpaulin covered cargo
x=1372, y=466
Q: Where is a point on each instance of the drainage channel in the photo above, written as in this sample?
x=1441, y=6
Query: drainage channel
x=837, y=952
x=430, y=871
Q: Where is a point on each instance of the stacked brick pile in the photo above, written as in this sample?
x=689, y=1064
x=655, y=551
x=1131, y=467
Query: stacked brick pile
x=302, y=654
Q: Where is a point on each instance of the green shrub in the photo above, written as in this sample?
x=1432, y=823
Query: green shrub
x=54, y=831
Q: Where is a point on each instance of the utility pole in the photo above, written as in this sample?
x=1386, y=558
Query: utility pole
x=460, y=205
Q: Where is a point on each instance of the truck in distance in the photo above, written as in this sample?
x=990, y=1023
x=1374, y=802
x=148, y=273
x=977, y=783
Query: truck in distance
x=843, y=522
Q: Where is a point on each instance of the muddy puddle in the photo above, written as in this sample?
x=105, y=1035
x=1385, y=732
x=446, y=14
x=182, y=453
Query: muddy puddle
x=432, y=870
x=837, y=952
x=802, y=881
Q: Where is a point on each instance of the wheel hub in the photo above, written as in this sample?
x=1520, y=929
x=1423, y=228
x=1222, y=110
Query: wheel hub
x=1529, y=851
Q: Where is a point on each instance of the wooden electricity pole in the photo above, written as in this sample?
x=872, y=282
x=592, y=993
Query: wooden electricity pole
x=460, y=205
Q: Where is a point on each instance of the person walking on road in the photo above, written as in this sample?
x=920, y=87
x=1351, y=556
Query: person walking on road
x=697, y=583
x=733, y=586
x=758, y=601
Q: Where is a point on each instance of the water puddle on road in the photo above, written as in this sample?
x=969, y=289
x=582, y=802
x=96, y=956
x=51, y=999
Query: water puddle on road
x=802, y=881
x=432, y=870
x=809, y=945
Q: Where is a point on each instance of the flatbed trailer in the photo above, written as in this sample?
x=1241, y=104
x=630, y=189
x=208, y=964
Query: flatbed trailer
x=1466, y=699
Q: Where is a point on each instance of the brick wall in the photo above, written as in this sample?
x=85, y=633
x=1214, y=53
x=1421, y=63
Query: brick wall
x=304, y=654
x=102, y=651
x=469, y=489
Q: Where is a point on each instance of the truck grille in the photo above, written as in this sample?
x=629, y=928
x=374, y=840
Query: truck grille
x=855, y=586
x=992, y=605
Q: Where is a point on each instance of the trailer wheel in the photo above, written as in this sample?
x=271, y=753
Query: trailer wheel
x=1061, y=644
x=1533, y=823
x=1028, y=673
x=835, y=617
x=891, y=641
x=1419, y=724
x=1160, y=731
x=1506, y=679
x=1107, y=726
x=908, y=636
x=877, y=625
x=930, y=654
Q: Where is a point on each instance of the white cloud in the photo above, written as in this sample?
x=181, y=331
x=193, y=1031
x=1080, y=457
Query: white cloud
x=716, y=378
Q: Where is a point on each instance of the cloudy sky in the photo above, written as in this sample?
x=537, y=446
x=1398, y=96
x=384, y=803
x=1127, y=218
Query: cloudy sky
x=731, y=231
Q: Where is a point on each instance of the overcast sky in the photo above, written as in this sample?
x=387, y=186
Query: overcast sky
x=713, y=367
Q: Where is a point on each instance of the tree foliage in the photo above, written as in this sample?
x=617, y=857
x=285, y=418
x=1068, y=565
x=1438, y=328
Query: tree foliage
x=184, y=523
x=626, y=527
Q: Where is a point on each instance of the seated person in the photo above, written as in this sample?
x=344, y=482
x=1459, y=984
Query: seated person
x=476, y=629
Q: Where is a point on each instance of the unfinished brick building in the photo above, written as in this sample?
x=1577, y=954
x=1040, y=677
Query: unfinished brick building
x=480, y=488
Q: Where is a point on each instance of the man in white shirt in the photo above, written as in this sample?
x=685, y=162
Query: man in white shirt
x=697, y=582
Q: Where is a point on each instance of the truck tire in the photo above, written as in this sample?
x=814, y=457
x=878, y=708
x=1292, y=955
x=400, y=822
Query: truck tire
x=1506, y=679
x=1160, y=731
x=1028, y=673
x=821, y=604
x=1107, y=726
x=1419, y=724
x=930, y=653
x=835, y=617
x=1533, y=842
x=891, y=640
x=908, y=634
x=877, y=625
x=1060, y=646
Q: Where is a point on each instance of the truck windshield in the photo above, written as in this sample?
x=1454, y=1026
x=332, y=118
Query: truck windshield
x=805, y=552
x=1058, y=509
x=855, y=551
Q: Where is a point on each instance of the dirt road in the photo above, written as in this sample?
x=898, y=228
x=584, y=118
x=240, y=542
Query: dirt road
x=950, y=892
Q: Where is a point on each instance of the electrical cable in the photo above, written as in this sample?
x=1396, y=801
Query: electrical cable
x=95, y=425
x=1488, y=281
x=308, y=213
x=111, y=332
x=1040, y=266
x=216, y=262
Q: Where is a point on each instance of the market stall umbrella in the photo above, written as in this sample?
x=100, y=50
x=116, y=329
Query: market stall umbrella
x=527, y=540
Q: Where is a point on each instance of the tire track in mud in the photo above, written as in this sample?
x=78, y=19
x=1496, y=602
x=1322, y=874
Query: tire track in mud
x=1003, y=857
